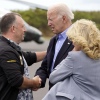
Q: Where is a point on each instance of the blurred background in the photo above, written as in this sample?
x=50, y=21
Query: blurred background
x=38, y=33
x=34, y=12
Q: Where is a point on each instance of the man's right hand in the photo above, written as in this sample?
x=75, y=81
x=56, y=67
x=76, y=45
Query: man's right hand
x=36, y=83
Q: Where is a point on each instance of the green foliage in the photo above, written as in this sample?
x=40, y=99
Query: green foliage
x=38, y=18
x=94, y=16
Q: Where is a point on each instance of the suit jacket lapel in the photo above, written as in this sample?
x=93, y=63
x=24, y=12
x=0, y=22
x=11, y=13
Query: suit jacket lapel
x=63, y=49
x=52, y=49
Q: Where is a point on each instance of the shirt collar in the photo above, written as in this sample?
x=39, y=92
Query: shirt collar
x=63, y=34
x=14, y=44
x=12, y=41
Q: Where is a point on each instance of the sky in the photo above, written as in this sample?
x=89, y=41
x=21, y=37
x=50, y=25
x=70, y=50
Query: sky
x=82, y=5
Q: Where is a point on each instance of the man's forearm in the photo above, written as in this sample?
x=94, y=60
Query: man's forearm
x=30, y=83
x=40, y=55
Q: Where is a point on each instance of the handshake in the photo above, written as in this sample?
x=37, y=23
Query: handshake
x=36, y=83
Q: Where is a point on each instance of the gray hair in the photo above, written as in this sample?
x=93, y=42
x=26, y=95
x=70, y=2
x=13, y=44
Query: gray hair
x=62, y=9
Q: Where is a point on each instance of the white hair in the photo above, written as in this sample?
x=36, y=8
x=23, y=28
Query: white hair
x=62, y=9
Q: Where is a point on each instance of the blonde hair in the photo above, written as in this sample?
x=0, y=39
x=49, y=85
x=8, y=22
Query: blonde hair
x=86, y=35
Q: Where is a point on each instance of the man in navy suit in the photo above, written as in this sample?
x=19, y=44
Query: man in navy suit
x=59, y=18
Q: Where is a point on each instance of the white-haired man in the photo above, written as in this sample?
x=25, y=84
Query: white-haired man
x=59, y=18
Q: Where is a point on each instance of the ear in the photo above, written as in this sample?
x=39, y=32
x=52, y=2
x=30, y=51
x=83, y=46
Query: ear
x=64, y=18
x=13, y=28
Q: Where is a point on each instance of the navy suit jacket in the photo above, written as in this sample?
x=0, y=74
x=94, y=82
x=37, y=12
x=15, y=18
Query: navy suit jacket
x=45, y=69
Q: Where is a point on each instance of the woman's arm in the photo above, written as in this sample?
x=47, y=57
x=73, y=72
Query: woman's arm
x=62, y=71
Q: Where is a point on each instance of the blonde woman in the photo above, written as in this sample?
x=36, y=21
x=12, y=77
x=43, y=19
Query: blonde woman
x=77, y=77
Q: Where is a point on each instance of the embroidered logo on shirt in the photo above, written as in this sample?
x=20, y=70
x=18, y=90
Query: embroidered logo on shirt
x=11, y=61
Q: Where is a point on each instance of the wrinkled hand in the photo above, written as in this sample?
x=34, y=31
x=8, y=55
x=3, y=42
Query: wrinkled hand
x=37, y=83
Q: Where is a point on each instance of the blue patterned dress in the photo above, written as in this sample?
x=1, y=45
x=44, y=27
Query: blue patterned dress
x=25, y=94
